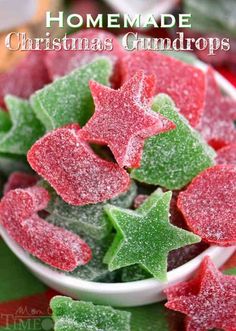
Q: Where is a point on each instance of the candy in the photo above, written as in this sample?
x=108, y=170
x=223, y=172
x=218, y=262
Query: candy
x=54, y=246
x=71, y=95
x=184, y=83
x=217, y=123
x=70, y=315
x=60, y=63
x=145, y=237
x=208, y=300
x=208, y=205
x=5, y=122
x=28, y=76
x=90, y=220
x=182, y=255
x=19, y=180
x=77, y=174
x=226, y=155
x=123, y=120
x=25, y=129
x=174, y=158
x=96, y=270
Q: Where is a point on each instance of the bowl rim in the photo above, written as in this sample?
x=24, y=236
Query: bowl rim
x=126, y=287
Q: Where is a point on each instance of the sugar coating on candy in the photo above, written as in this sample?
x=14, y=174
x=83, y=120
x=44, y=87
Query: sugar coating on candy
x=140, y=198
x=184, y=83
x=71, y=315
x=77, y=174
x=217, y=123
x=226, y=155
x=90, y=220
x=28, y=76
x=53, y=245
x=172, y=159
x=123, y=119
x=60, y=63
x=19, y=179
x=208, y=205
x=25, y=128
x=5, y=122
x=68, y=99
x=208, y=300
x=145, y=237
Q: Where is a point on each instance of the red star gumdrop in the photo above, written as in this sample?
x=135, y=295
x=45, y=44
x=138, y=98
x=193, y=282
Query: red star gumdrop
x=53, y=245
x=184, y=83
x=208, y=205
x=123, y=119
x=208, y=300
x=77, y=174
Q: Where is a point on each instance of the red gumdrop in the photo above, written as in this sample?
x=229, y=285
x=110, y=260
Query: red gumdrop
x=184, y=83
x=139, y=200
x=19, y=179
x=208, y=300
x=53, y=245
x=226, y=155
x=25, y=78
x=62, y=62
x=208, y=205
x=123, y=119
x=217, y=123
x=77, y=174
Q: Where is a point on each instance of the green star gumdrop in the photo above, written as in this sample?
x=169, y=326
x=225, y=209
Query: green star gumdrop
x=174, y=158
x=90, y=220
x=23, y=130
x=146, y=237
x=68, y=99
x=70, y=315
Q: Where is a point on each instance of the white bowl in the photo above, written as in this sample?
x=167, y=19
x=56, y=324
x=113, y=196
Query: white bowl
x=121, y=294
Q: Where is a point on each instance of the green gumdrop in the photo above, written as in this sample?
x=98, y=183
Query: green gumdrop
x=24, y=130
x=96, y=270
x=134, y=273
x=70, y=315
x=145, y=238
x=68, y=99
x=174, y=158
x=90, y=220
x=5, y=122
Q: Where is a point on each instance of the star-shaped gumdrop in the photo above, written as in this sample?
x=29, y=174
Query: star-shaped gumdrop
x=123, y=119
x=53, y=245
x=145, y=236
x=208, y=300
x=208, y=205
x=77, y=174
x=217, y=123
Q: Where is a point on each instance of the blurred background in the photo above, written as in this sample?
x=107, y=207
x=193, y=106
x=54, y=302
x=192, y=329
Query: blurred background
x=209, y=18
